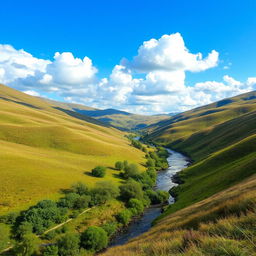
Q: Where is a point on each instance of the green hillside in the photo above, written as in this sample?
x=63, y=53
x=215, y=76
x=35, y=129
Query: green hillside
x=45, y=148
x=214, y=212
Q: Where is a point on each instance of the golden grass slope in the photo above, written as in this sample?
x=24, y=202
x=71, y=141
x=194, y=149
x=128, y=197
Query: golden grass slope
x=45, y=149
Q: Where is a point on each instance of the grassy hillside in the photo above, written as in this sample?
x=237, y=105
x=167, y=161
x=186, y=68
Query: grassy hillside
x=214, y=213
x=220, y=138
x=120, y=119
x=201, y=131
x=45, y=148
x=223, y=224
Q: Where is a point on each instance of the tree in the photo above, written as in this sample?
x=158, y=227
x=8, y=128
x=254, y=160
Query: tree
x=28, y=246
x=136, y=206
x=51, y=250
x=124, y=216
x=82, y=202
x=103, y=191
x=99, y=171
x=131, y=189
x=150, y=162
x=130, y=171
x=68, y=244
x=94, y=239
x=110, y=228
x=4, y=236
x=119, y=165
x=69, y=200
x=80, y=189
x=24, y=228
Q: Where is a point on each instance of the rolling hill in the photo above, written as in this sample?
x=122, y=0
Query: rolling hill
x=214, y=212
x=46, y=147
x=120, y=119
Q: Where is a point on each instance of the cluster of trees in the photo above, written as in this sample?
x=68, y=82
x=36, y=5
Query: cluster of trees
x=157, y=159
x=137, y=193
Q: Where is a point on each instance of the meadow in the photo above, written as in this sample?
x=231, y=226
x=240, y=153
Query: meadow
x=45, y=149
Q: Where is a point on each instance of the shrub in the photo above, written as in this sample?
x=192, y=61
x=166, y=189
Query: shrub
x=94, y=239
x=119, y=165
x=9, y=218
x=69, y=200
x=145, y=179
x=99, y=171
x=130, y=171
x=103, y=191
x=152, y=173
x=23, y=229
x=163, y=196
x=80, y=189
x=131, y=189
x=51, y=250
x=150, y=162
x=82, y=202
x=136, y=206
x=110, y=228
x=43, y=215
x=68, y=245
x=124, y=216
x=28, y=246
x=157, y=197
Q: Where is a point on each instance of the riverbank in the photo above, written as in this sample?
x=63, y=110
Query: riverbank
x=176, y=162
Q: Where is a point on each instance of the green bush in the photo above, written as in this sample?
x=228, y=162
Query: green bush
x=9, y=218
x=110, y=228
x=68, y=244
x=145, y=179
x=136, y=206
x=99, y=171
x=80, y=189
x=131, y=189
x=23, y=229
x=28, y=246
x=51, y=250
x=102, y=192
x=69, y=200
x=94, y=239
x=157, y=197
x=82, y=202
x=119, y=165
x=130, y=171
x=150, y=162
x=124, y=216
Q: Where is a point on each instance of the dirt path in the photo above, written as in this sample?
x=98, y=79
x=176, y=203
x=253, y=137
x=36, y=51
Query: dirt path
x=53, y=228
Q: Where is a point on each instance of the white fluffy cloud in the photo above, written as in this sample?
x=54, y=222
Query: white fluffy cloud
x=169, y=53
x=153, y=82
x=16, y=64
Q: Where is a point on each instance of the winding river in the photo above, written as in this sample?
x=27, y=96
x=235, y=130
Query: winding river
x=176, y=162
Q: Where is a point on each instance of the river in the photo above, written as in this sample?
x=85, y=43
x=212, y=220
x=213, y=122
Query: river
x=176, y=162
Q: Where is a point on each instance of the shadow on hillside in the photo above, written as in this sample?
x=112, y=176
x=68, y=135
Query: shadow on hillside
x=19, y=102
x=82, y=117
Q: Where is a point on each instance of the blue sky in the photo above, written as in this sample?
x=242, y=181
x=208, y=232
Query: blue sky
x=107, y=31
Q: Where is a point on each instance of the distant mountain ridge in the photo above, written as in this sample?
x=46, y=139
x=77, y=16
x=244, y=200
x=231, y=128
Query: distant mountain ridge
x=120, y=119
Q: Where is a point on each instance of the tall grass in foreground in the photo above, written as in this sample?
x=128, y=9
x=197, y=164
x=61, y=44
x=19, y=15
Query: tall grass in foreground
x=223, y=225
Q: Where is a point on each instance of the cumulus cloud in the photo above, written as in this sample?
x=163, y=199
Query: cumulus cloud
x=16, y=64
x=169, y=53
x=153, y=82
